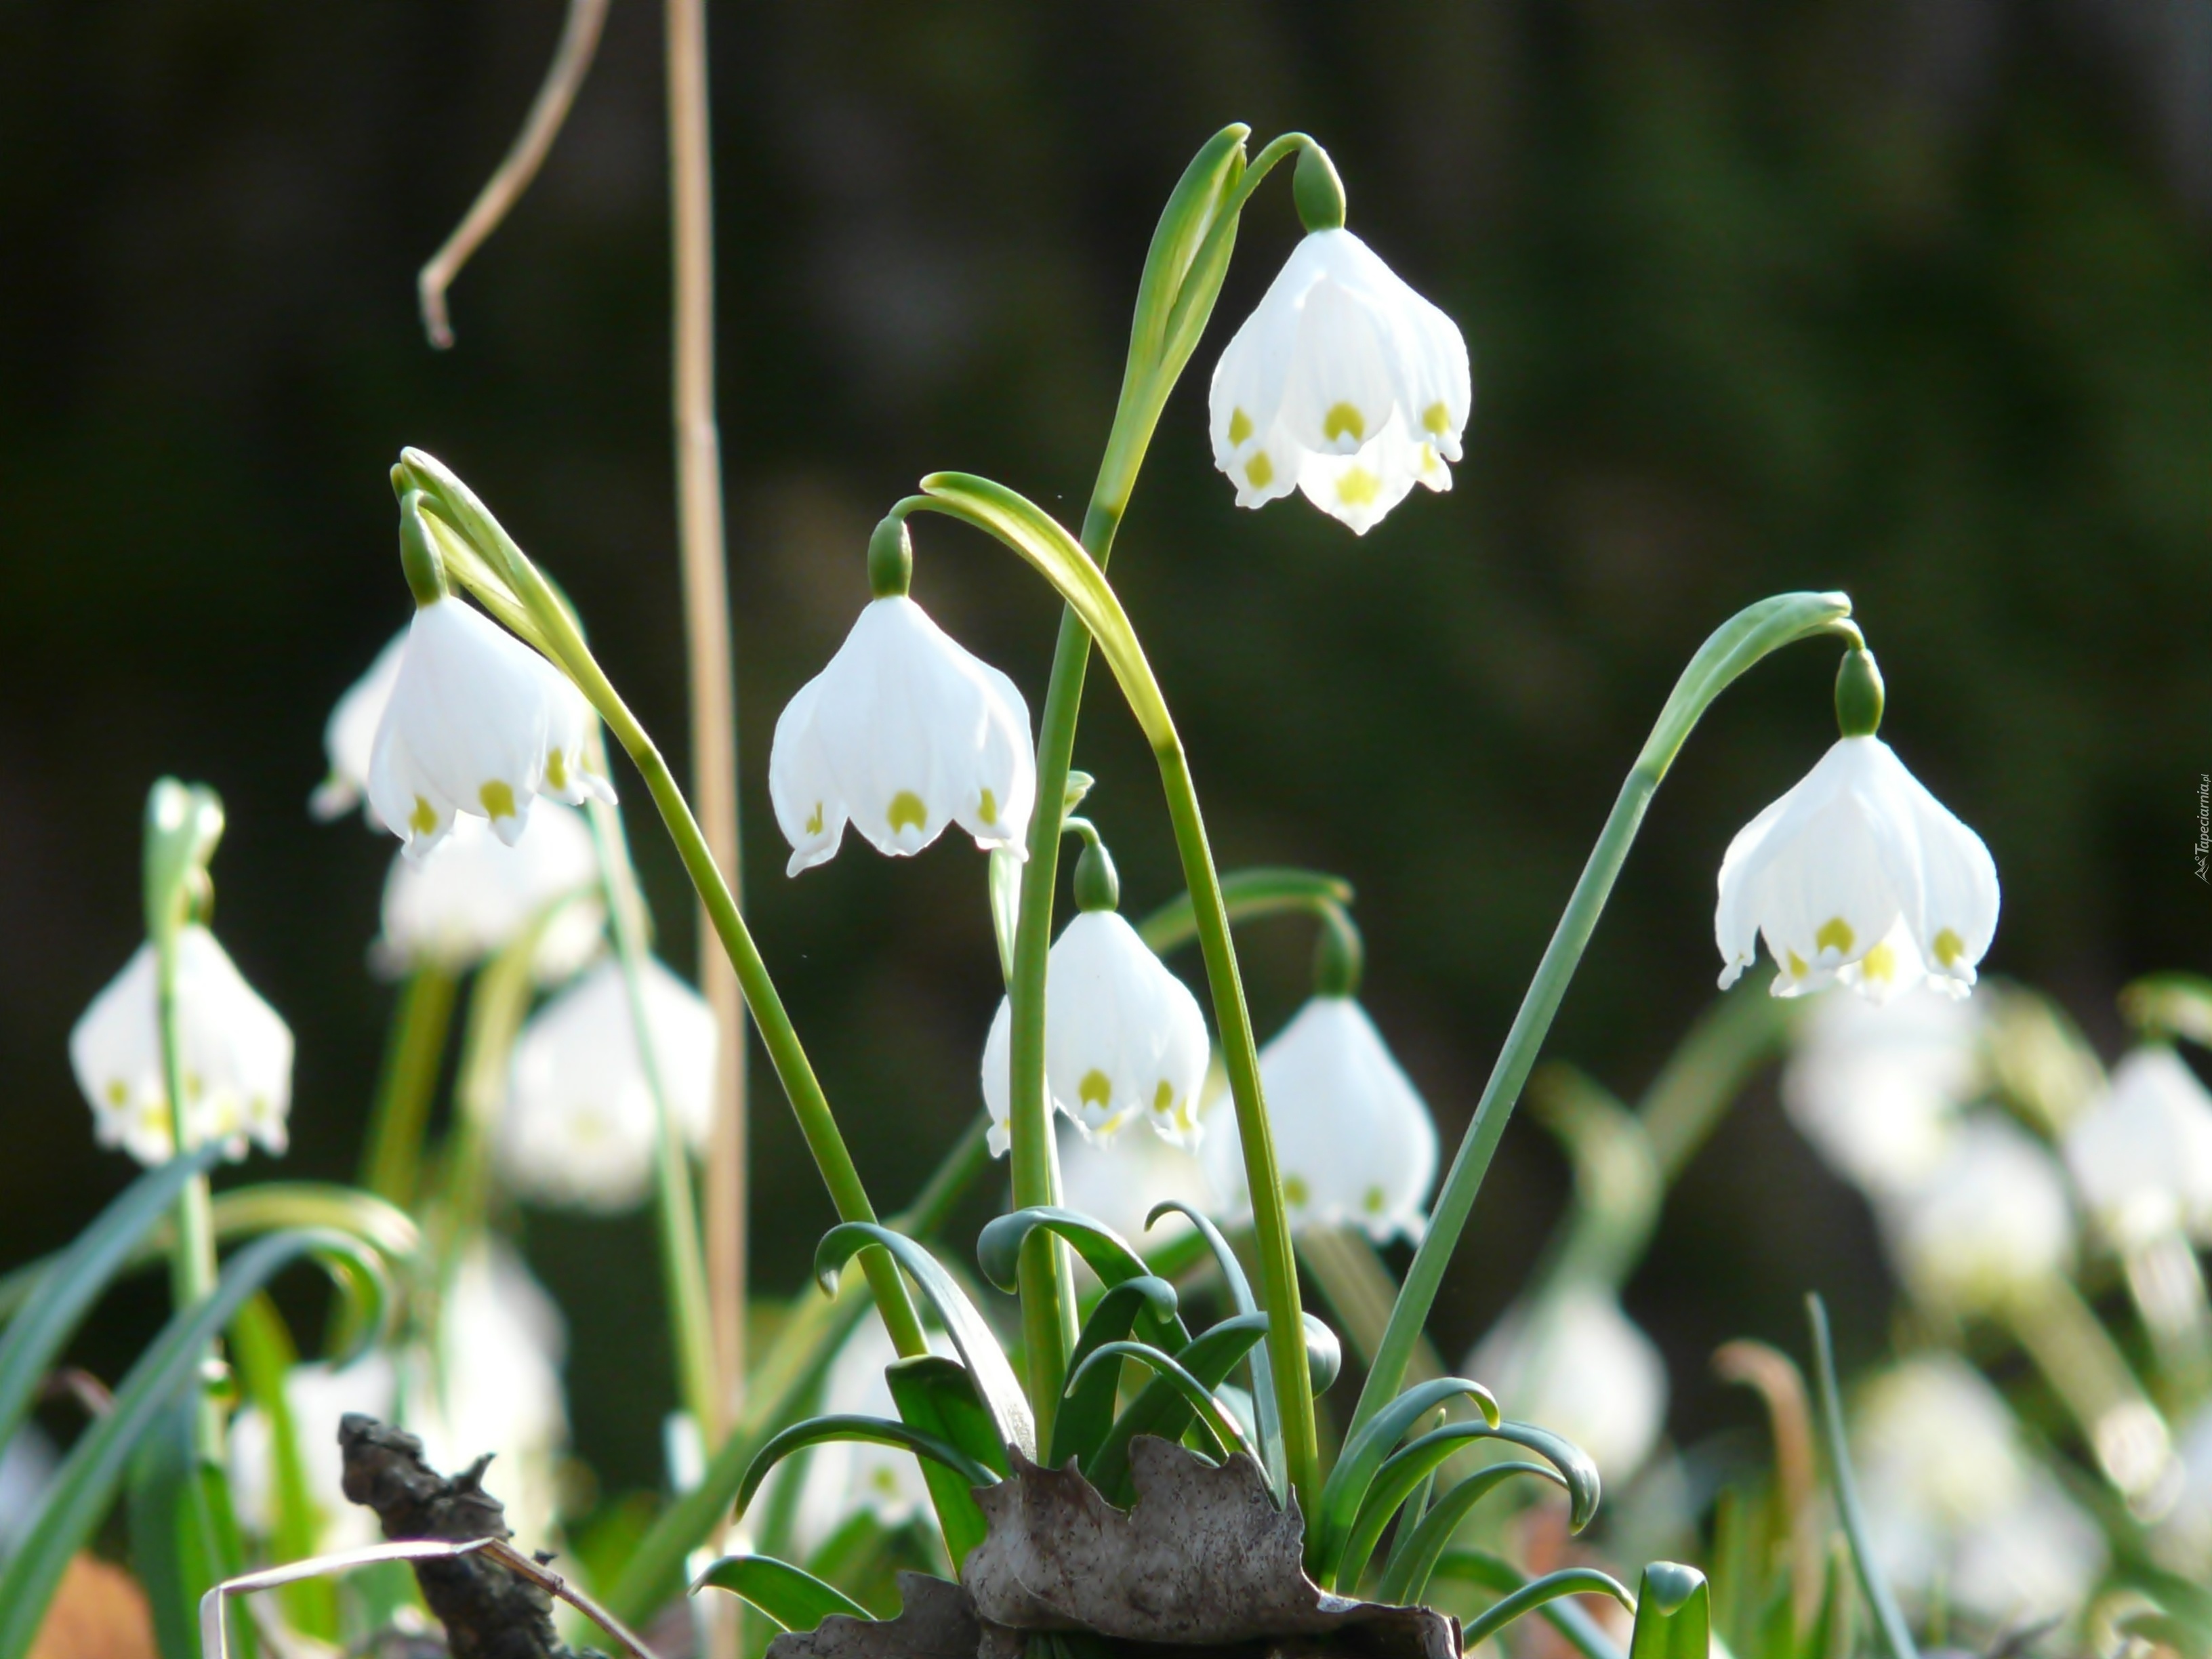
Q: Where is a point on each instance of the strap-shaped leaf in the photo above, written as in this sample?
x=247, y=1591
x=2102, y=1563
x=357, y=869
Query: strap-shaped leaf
x=1494, y=1572
x=1673, y=1615
x=1407, y=1468
x=1266, y=1420
x=1888, y=1617
x=1568, y=1581
x=85, y=1484
x=875, y=1430
x=792, y=1598
x=1086, y=1412
x=1363, y=1454
x=1415, y=1561
x=183, y=1537
x=977, y=1343
x=75, y=1280
x=1105, y=1252
x=937, y=1395
x=1160, y=1408
x=1193, y=1393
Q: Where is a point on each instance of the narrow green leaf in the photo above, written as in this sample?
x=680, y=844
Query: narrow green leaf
x=795, y=1598
x=265, y=1355
x=1407, y=1580
x=1888, y=1617
x=977, y=1343
x=1105, y=1252
x=1363, y=1454
x=876, y=1431
x=1533, y=1595
x=1248, y=895
x=1191, y=209
x=1492, y=1572
x=1266, y=1419
x=183, y=1537
x=1222, y=1432
x=86, y=1483
x=1673, y=1615
x=937, y=1396
x=1086, y=1412
x=1163, y=1407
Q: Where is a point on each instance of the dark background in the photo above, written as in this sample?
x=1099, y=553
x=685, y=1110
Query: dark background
x=1911, y=299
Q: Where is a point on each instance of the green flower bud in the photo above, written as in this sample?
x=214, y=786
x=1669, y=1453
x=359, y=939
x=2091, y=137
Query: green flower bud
x=1097, y=887
x=1317, y=189
x=1858, y=693
x=890, y=559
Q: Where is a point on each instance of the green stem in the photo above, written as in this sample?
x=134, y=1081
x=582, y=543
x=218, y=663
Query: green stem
x=192, y=1264
x=391, y=1168
x=1734, y=648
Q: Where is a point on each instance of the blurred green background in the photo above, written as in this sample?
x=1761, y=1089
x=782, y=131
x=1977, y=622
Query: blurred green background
x=1910, y=299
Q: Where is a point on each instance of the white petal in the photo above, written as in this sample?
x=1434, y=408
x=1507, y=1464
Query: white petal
x=995, y=801
x=1341, y=389
x=808, y=808
x=998, y=1078
x=475, y=896
x=1118, y=1181
x=1359, y=488
x=349, y=736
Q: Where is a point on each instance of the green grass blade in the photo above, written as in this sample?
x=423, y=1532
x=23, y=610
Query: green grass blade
x=937, y=1396
x=795, y=1598
x=1888, y=1617
x=1493, y=1572
x=1536, y=1593
x=1673, y=1615
x=1407, y=1580
x=876, y=1431
x=1363, y=1454
x=1086, y=1411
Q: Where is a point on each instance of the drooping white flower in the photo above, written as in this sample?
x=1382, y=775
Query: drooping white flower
x=1123, y=1037
x=474, y=895
x=236, y=1052
x=1990, y=1221
x=1118, y=1180
x=842, y=1478
x=1354, y=1142
x=1344, y=383
x=2141, y=1157
x=1578, y=1365
x=479, y=724
x=903, y=733
x=317, y=1396
x=1859, y=874
x=1879, y=1090
x=1955, y=1503
x=579, y=1128
x=349, y=736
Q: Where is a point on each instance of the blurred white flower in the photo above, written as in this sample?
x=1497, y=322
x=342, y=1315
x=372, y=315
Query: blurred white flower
x=1955, y=1504
x=235, y=1049
x=1879, y=1090
x=479, y=724
x=579, y=1127
x=903, y=733
x=1118, y=1180
x=1354, y=1141
x=474, y=895
x=318, y=1397
x=349, y=736
x=1581, y=1367
x=2182, y=1540
x=842, y=1478
x=1344, y=383
x=2141, y=1157
x=1859, y=874
x=1123, y=1037
x=1990, y=1221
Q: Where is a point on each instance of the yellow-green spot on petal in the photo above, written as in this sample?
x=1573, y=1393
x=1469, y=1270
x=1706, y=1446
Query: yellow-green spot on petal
x=1835, y=935
x=423, y=820
x=987, y=809
x=1879, y=963
x=1343, y=421
x=1240, y=426
x=1950, y=948
x=1372, y=1200
x=557, y=769
x=1436, y=419
x=1095, y=1089
x=907, y=812
x=1358, y=487
x=814, y=820
x=498, y=800
x=1163, y=1098
x=1296, y=1192
x=1261, y=471
x=118, y=1093
x=1796, y=966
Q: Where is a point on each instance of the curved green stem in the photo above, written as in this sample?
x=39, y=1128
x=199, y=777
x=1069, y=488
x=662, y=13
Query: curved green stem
x=391, y=1167
x=1251, y=896
x=1734, y=648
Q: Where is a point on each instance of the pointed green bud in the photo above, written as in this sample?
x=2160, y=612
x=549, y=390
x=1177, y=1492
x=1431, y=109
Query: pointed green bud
x=1317, y=189
x=1078, y=786
x=1097, y=887
x=184, y=821
x=1339, y=955
x=1858, y=693
x=418, y=555
x=890, y=559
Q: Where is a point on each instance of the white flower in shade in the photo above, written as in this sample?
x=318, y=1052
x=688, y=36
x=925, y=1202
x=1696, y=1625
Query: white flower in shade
x=1123, y=1038
x=1990, y=1221
x=350, y=735
x=844, y=1479
x=2182, y=1540
x=1578, y=1365
x=474, y=895
x=903, y=733
x=1879, y=1090
x=1859, y=874
x=2141, y=1157
x=1344, y=383
x=1955, y=1504
x=479, y=724
x=579, y=1128
x=1119, y=1180
x=1354, y=1142
x=235, y=1049
x=317, y=1396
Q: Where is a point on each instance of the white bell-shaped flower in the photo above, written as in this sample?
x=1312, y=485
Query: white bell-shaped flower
x=1859, y=874
x=350, y=735
x=1879, y=1090
x=1578, y=1365
x=1123, y=1038
x=1119, y=1180
x=1354, y=1143
x=479, y=724
x=474, y=895
x=1991, y=1222
x=2141, y=1157
x=236, y=1052
x=580, y=1128
x=842, y=1478
x=1955, y=1505
x=1344, y=383
x=317, y=1396
x=903, y=733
